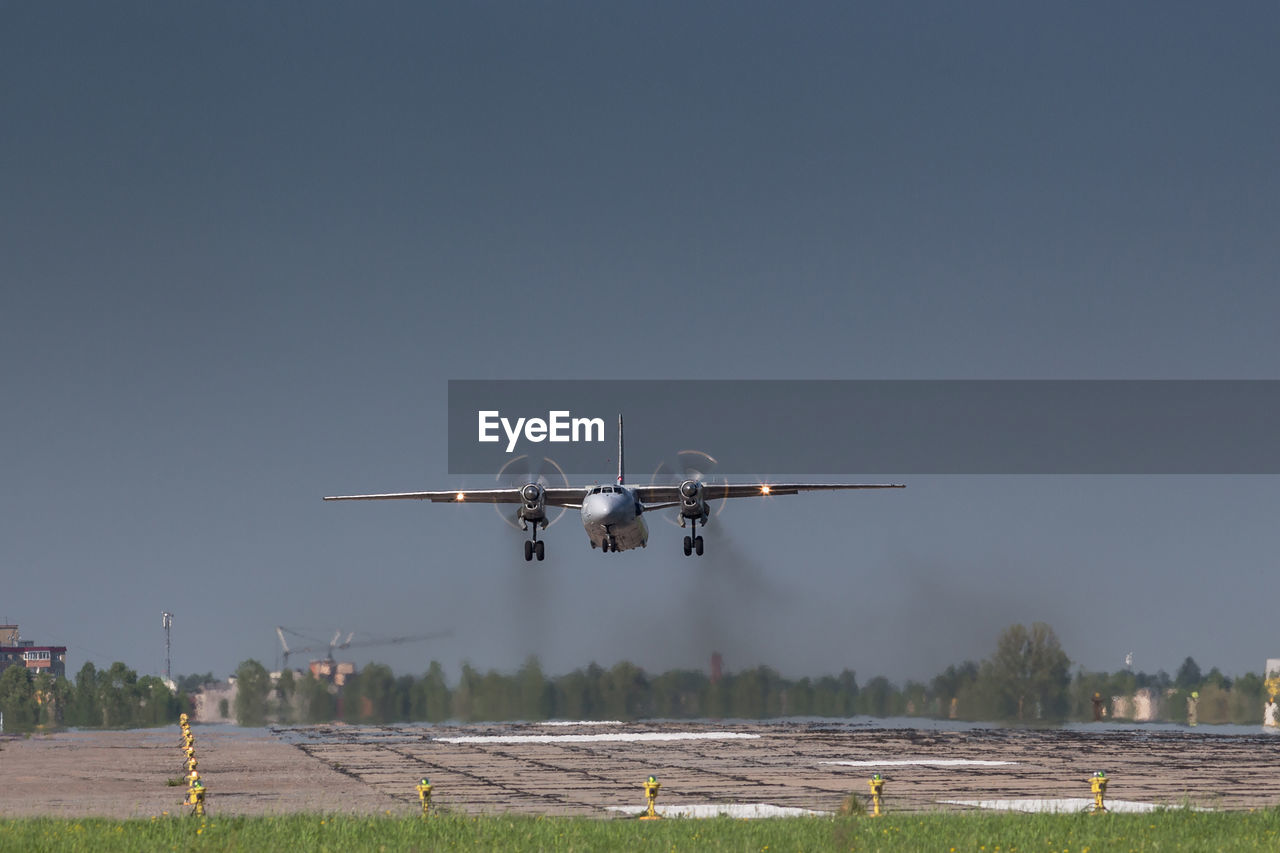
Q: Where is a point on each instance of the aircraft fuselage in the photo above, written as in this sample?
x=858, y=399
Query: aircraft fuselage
x=612, y=517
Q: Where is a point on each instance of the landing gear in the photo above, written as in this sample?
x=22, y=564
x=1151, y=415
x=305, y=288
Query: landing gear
x=693, y=544
x=534, y=547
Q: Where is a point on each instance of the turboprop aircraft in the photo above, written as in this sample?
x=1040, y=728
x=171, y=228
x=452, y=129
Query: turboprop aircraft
x=614, y=515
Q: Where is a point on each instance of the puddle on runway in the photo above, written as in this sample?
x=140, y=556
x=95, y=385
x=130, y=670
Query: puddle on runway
x=1057, y=806
x=735, y=810
x=612, y=737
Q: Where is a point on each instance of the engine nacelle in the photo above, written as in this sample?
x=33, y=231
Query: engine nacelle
x=693, y=503
x=533, y=504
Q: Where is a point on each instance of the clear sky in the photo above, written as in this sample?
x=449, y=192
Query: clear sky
x=243, y=247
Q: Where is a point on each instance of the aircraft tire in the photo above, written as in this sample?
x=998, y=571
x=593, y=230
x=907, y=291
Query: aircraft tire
x=688, y=546
x=540, y=550
x=528, y=551
x=697, y=545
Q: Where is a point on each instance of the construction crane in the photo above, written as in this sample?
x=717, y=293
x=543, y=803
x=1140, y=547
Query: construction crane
x=350, y=642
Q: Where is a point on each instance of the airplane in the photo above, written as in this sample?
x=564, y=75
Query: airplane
x=613, y=515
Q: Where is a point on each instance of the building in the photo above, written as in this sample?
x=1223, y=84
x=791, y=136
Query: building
x=13, y=650
x=215, y=703
x=335, y=672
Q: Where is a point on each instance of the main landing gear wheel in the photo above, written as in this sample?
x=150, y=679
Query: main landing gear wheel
x=693, y=543
x=534, y=546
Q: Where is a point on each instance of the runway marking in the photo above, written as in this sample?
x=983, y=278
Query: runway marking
x=933, y=762
x=620, y=737
x=1068, y=804
x=737, y=810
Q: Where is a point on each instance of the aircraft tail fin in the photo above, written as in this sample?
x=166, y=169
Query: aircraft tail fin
x=620, y=469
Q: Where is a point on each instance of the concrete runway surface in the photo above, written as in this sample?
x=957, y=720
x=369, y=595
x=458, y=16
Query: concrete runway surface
x=597, y=769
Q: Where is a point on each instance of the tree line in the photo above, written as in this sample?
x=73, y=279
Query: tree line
x=1027, y=678
x=111, y=698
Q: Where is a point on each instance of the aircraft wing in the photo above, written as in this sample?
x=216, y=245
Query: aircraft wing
x=717, y=491
x=566, y=497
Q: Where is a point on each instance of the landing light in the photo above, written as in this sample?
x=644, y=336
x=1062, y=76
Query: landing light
x=764, y=490
x=460, y=497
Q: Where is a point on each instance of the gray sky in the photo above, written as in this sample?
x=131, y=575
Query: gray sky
x=243, y=247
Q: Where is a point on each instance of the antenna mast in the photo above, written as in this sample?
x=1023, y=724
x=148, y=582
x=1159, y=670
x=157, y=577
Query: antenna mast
x=167, y=619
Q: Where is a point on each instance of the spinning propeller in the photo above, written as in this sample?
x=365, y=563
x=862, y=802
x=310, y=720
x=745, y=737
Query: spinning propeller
x=519, y=473
x=694, y=466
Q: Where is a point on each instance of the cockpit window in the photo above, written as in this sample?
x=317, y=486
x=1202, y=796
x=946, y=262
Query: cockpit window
x=596, y=490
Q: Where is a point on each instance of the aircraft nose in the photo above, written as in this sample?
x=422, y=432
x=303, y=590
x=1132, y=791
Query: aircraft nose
x=615, y=509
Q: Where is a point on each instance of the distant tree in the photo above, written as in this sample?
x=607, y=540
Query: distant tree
x=53, y=696
x=463, y=698
x=1246, y=699
x=84, y=710
x=313, y=701
x=625, y=692
x=797, y=698
x=579, y=695
x=1106, y=685
x=876, y=698
x=118, y=697
x=948, y=684
x=286, y=686
x=1216, y=678
x=434, y=694
x=157, y=704
x=18, y=699
x=193, y=683
x=536, y=693
x=828, y=698
x=374, y=691
x=572, y=696
x=494, y=697
x=680, y=693
x=1158, y=681
x=752, y=693
x=1188, y=677
x=915, y=699
x=1030, y=673
x=253, y=684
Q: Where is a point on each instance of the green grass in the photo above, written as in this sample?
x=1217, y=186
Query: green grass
x=983, y=833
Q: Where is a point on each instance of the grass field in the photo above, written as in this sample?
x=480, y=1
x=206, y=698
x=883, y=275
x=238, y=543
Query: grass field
x=984, y=833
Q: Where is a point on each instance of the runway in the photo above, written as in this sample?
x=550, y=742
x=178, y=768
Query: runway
x=597, y=769
x=537, y=769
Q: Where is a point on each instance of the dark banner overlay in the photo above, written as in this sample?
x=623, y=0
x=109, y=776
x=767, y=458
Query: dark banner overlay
x=835, y=428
